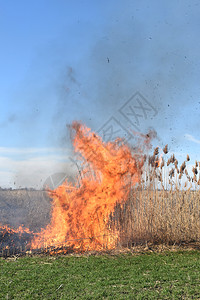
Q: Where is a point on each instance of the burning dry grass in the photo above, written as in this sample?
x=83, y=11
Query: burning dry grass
x=160, y=210
x=121, y=199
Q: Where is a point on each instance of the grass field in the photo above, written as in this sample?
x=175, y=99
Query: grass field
x=169, y=275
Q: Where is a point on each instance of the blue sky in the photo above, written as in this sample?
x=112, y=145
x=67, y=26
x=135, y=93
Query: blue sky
x=82, y=60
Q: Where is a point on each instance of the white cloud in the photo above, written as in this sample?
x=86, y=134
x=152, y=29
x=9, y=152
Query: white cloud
x=23, y=171
x=189, y=137
x=26, y=151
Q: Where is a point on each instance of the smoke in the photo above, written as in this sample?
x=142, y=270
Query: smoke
x=140, y=48
x=129, y=57
x=137, y=47
x=12, y=118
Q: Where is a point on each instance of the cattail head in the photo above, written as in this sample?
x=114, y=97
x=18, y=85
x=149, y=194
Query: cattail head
x=151, y=160
x=171, y=173
x=176, y=164
x=173, y=158
x=188, y=158
x=156, y=151
x=162, y=163
x=168, y=162
x=182, y=168
x=194, y=170
x=165, y=149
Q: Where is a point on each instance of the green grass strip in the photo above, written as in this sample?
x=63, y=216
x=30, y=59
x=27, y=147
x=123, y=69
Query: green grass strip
x=171, y=275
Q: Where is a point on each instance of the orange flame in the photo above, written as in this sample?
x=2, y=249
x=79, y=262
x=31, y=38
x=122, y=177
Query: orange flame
x=20, y=230
x=80, y=216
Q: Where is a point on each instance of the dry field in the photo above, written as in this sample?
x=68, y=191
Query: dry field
x=158, y=217
x=151, y=214
x=162, y=209
x=154, y=217
x=28, y=207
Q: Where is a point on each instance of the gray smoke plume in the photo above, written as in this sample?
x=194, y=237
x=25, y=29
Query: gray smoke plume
x=145, y=47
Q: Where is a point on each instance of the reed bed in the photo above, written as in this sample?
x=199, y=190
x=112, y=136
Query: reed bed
x=164, y=208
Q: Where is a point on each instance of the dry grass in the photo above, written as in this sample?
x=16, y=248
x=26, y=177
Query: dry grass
x=28, y=207
x=161, y=216
x=167, y=217
x=160, y=210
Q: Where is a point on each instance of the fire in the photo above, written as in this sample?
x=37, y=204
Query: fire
x=83, y=214
x=20, y=230
x=80, y=216
x=10, y=238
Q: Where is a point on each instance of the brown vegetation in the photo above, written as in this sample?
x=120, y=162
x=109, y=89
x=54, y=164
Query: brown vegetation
x=28, y=207
x=161, y=209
